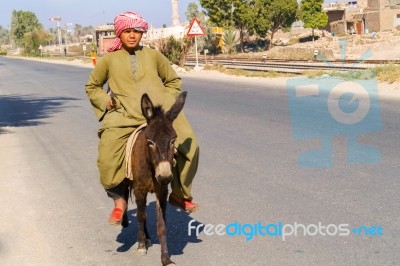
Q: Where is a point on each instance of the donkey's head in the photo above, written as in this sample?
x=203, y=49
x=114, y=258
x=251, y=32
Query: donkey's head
x=161, y=136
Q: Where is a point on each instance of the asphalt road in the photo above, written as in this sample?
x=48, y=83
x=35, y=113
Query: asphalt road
x=54, y=211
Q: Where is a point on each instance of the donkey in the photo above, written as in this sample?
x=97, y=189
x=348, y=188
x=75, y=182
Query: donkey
x=152, y=161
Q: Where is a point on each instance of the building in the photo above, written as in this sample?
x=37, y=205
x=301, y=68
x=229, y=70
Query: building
x=340, y=19
x=358, y=17
x=105, y=33
x=381, y=15
x=154, y=34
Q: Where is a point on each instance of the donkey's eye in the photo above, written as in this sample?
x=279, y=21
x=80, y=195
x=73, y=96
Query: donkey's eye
x=151, y=144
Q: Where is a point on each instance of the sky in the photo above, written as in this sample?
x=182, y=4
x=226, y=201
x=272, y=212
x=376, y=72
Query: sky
x=92, y=12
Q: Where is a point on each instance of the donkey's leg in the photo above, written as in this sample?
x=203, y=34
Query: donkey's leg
x=141, y=218
x=161, y=226
x=148, y=240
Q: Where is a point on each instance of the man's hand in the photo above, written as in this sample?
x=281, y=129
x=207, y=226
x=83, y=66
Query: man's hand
x=111, y=104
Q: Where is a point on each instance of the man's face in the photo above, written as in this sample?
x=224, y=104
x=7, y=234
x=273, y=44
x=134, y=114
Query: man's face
x=130, y=38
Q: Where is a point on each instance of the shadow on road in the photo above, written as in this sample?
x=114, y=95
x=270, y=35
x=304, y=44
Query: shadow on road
x=177, y=224
x=18, y=110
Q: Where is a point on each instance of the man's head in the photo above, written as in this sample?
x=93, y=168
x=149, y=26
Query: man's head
x=130, y=38
x=129, y=27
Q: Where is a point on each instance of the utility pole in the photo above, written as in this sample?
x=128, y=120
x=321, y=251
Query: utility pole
x=58, y=19
x=66, y=34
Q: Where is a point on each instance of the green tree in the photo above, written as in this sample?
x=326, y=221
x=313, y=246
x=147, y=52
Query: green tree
x=54, y=34
x=23, y=22
x=244, y=19
x=35, y=38
x=219, y=12
x=231, y=14
x=312, y=15
x=4, y=36
x=193, y=12
x=273, y=15
x=175, y=49
x=261, y=17
x=171, y=49
x=280, y=14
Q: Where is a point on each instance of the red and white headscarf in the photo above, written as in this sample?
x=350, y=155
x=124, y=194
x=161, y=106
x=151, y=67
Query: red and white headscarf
x=123, y=21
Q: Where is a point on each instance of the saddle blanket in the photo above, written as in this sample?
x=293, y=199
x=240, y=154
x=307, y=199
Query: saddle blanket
x=129, y=146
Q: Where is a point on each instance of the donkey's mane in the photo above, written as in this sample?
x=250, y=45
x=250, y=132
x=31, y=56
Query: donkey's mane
x=158, y=110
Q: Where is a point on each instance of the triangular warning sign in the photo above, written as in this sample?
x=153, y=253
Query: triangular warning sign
x=195, y=29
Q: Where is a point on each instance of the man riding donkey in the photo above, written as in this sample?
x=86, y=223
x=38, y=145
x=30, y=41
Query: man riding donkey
x=132, y=70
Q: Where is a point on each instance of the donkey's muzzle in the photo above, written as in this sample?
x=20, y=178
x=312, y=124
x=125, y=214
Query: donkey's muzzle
x=164, y=173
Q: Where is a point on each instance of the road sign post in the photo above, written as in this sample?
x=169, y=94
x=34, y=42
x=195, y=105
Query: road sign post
x=197, y=55
x=195, y=30
x=205, y=55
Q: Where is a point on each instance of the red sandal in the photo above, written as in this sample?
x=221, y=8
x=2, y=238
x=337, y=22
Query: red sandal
x=119, y=217
x=184, y=204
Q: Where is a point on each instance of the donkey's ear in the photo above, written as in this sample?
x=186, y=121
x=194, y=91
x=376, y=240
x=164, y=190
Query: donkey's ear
x=147, y=107
x=177, y=107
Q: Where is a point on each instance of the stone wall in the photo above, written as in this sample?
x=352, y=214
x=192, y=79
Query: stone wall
x=372, y=22
x=339, y=27
x=389, y=19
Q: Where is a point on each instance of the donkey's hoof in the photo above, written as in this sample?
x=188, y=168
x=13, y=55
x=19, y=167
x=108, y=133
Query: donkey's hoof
x=171, y=264
x=148, y=242
x=142, y=251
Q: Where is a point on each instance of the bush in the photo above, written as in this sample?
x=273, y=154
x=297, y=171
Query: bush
x=3, y=52
x=293, y=40
x=388, y=73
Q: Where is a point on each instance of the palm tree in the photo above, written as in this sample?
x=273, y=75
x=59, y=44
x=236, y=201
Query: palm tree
x=230, y=41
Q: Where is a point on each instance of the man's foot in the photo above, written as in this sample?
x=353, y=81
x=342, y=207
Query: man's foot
x=119, y=215
x=184, y=204
x=116, y=216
